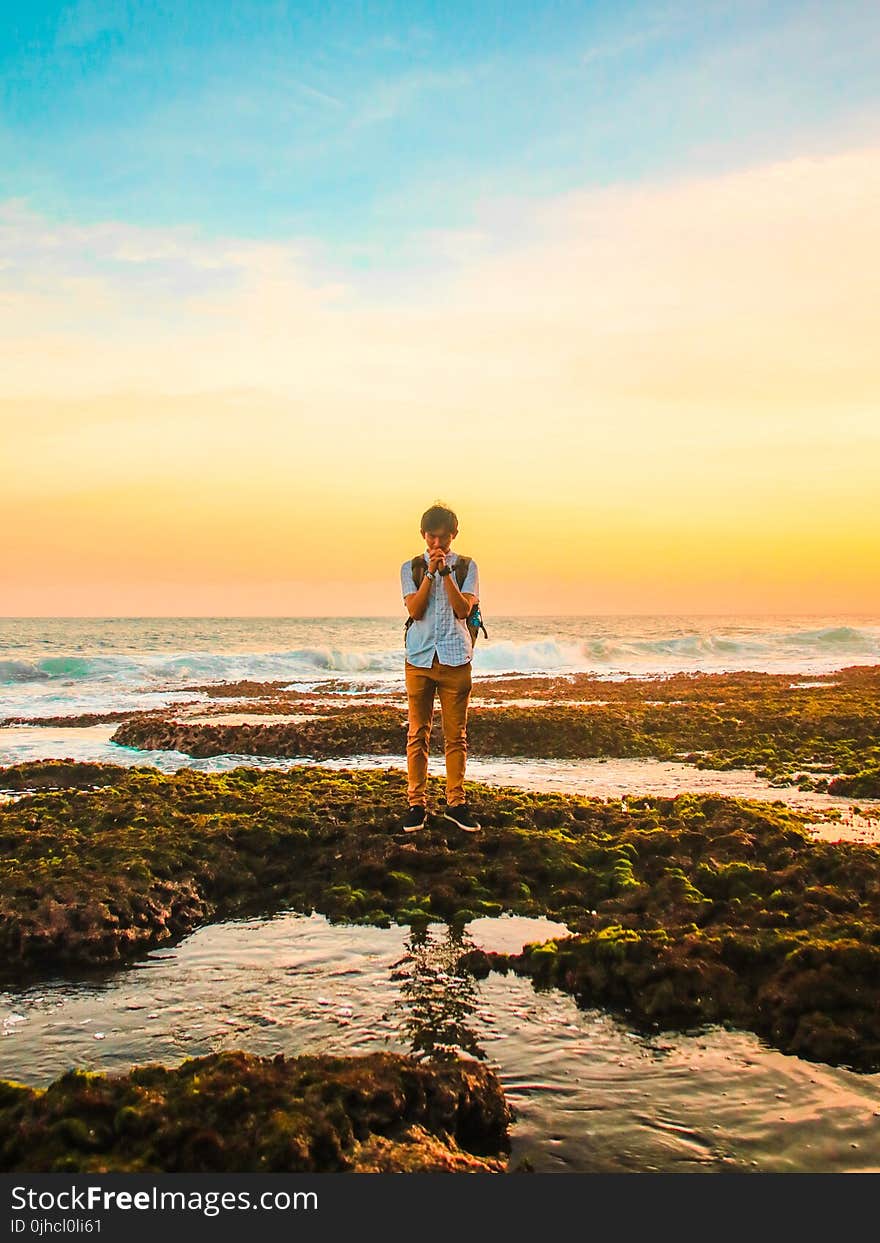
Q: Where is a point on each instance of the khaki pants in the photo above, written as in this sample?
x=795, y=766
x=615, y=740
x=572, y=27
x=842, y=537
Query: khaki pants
x=453, y=684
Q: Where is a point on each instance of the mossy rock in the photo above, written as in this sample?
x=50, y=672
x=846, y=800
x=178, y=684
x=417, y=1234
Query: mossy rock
x=93, y=877
x=238, y=1113
x=865, y=784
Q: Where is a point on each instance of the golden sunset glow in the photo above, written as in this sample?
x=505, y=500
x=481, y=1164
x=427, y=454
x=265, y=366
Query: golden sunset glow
x=653, y=398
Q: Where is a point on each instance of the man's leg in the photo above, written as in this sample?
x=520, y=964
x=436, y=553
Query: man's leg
x=420, y=698
x=454, y=688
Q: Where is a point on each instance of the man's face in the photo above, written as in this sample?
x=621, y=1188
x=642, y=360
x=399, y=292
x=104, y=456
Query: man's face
x=439, y=539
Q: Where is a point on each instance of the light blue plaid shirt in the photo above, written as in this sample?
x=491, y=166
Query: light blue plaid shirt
x=439, y=630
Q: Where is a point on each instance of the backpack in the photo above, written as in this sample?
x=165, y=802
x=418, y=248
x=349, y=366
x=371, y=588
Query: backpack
x=473, y=621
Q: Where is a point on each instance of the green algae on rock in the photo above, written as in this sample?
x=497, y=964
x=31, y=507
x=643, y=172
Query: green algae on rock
x=236, y=1112
x=91, y=877
x=60, y=775
x=692, y=909
x=865, y=784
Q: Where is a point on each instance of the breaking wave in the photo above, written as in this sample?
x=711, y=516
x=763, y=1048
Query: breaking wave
x=20, y=671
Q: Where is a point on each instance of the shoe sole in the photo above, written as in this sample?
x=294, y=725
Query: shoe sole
x=465, y=828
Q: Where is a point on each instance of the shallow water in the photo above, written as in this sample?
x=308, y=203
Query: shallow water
x=590, y=1095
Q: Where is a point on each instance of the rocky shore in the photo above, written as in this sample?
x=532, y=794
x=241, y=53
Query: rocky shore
x=237, y=1113
x=686, y=910
x=682, y=911
x=822, y=734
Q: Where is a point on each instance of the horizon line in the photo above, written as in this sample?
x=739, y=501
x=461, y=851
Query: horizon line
x=396, y=617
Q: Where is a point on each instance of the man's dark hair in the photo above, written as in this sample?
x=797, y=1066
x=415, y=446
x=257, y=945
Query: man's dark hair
x=439, y=518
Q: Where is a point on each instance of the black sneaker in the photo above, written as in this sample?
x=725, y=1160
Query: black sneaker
x=415, y=819
x=461, y=815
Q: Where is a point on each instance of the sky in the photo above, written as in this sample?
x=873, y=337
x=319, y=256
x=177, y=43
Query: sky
x=275, y=277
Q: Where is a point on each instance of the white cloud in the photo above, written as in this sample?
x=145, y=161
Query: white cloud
x=706, y=303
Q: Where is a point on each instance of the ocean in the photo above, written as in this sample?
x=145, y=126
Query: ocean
x=65, y=666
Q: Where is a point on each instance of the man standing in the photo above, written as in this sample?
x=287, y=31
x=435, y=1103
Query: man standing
x=439, y=650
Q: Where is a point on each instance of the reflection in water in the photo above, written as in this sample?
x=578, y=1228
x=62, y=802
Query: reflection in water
x=589, y=1093
x=437, y=998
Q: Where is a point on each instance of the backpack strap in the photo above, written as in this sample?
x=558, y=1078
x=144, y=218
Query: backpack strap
x=474, y=619
x=417, y=565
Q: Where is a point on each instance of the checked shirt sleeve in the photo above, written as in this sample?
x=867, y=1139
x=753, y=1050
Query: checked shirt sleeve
x=407, y=582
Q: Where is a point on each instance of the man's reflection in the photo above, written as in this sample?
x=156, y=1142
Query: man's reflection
x=437, y=996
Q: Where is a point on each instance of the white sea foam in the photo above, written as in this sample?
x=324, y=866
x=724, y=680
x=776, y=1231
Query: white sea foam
x=542, y=656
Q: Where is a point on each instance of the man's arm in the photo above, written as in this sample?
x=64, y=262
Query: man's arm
x=462, y=601
x=417, y=601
